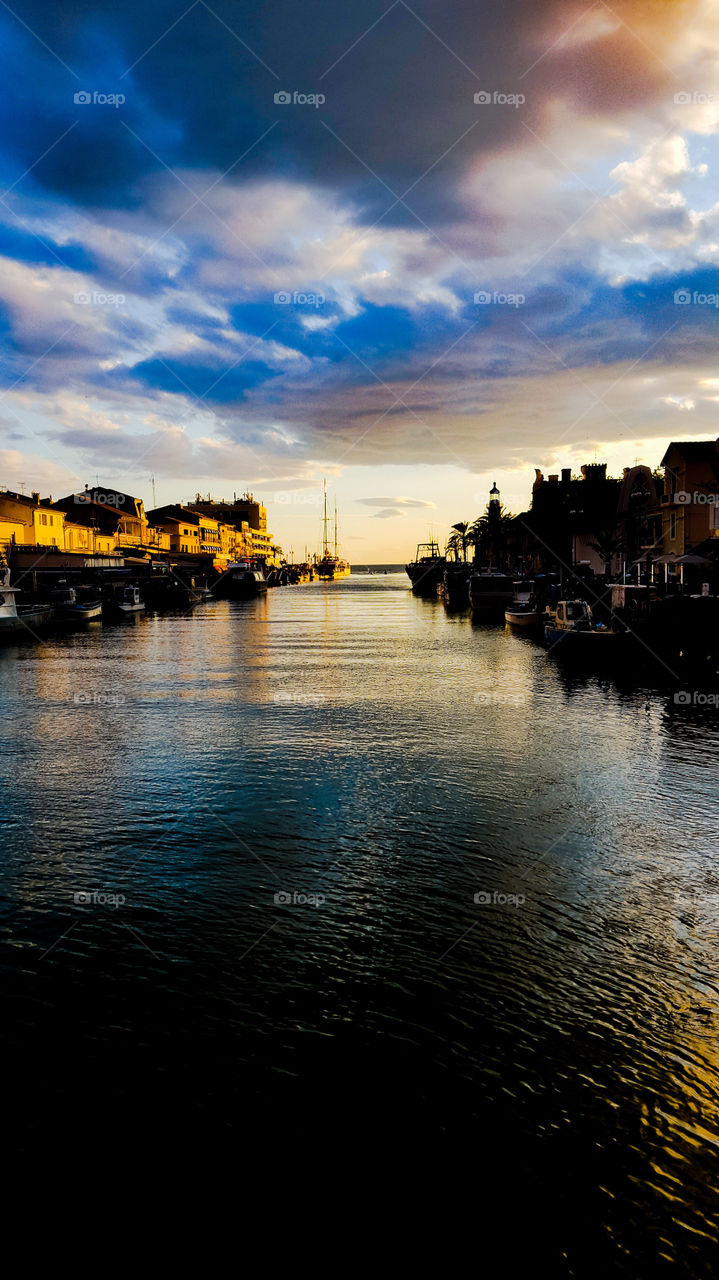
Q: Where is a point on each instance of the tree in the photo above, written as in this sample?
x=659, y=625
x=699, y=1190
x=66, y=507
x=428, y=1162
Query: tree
x=462, y=531
x=454, y=546
x=490, y=532
x=607, y=543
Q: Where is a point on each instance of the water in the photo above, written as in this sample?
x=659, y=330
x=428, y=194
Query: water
x=376, y=763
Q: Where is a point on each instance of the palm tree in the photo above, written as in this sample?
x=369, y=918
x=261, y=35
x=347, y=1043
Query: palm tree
x=607, y=543
x=462, y=529
x=454, y=545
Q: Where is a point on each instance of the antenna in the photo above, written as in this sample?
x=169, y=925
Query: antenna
x=154, y=499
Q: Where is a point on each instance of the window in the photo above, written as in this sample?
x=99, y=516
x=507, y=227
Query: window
x=43, y=519
x=672, y=525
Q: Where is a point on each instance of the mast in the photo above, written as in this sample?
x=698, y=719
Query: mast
x=335, y=526
x=324, y=524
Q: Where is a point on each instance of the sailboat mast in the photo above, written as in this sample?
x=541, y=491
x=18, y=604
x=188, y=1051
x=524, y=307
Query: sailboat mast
x=324, y=524
x=335, y=526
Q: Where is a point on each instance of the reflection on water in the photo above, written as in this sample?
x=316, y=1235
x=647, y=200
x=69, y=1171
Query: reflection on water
x=371, y=852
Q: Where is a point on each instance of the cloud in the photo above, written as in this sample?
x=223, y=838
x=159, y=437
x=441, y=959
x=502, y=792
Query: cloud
x=201, y=199
x=394, y=502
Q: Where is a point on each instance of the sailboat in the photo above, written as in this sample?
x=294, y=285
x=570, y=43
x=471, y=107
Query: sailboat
x=330, y=567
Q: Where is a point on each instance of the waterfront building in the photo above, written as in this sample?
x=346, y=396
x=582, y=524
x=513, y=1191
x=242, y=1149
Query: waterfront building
x=109, y=513
x=691, y=494
x=570, y=514
x=192, y=534
x=247, y=517
x=25, y=521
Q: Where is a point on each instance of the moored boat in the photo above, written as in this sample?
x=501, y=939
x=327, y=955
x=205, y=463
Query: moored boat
x=127, y=600
x=525, y=616
x=425, y=572
x=242, y=580
x=76, y=604
x=330, y=566
x=490, y=594
x=453, y=588
x=571, y=629
x=17, y=619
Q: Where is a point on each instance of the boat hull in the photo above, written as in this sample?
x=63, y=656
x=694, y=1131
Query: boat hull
x=524, y=619
x=425, y=578
x=240, y=584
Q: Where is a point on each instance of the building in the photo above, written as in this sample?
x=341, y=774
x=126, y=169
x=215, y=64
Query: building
x=691, y=494
x=25, y=521
x=569, y=515
x=245, y=515
x=107, y=512
x=192, y=533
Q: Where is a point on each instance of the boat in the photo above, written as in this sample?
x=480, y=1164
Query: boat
x=18, y=618
x=571, y=627
x=128, y=600
x=242, y=580
x=522, y=615
x=330, y=567
x=425, y=572
x=453, y=589
x=76, y=604
x=490, y=594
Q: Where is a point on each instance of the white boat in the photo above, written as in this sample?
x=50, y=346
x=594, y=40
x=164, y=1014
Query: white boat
x=522, y=616
x=129, y=600
x=15, y=618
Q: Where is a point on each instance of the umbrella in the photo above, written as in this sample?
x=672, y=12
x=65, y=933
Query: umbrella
x=690, y=559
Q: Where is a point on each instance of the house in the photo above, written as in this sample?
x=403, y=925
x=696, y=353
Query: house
x=109, y=512
x=569, y=514
x=691, y=495
x=25, y=521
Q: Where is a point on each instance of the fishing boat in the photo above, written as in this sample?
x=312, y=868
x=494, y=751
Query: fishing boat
x=330, y=567
x=490, y=594
x=571, y=628
x=426, y=570
x=242, y=580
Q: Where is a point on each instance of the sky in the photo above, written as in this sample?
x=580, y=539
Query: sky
x=409, y=248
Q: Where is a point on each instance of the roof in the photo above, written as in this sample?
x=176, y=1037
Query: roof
x=692, y=450
x=173, y=511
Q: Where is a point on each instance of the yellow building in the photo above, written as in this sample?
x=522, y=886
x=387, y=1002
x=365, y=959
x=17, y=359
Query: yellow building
x=25, y=521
